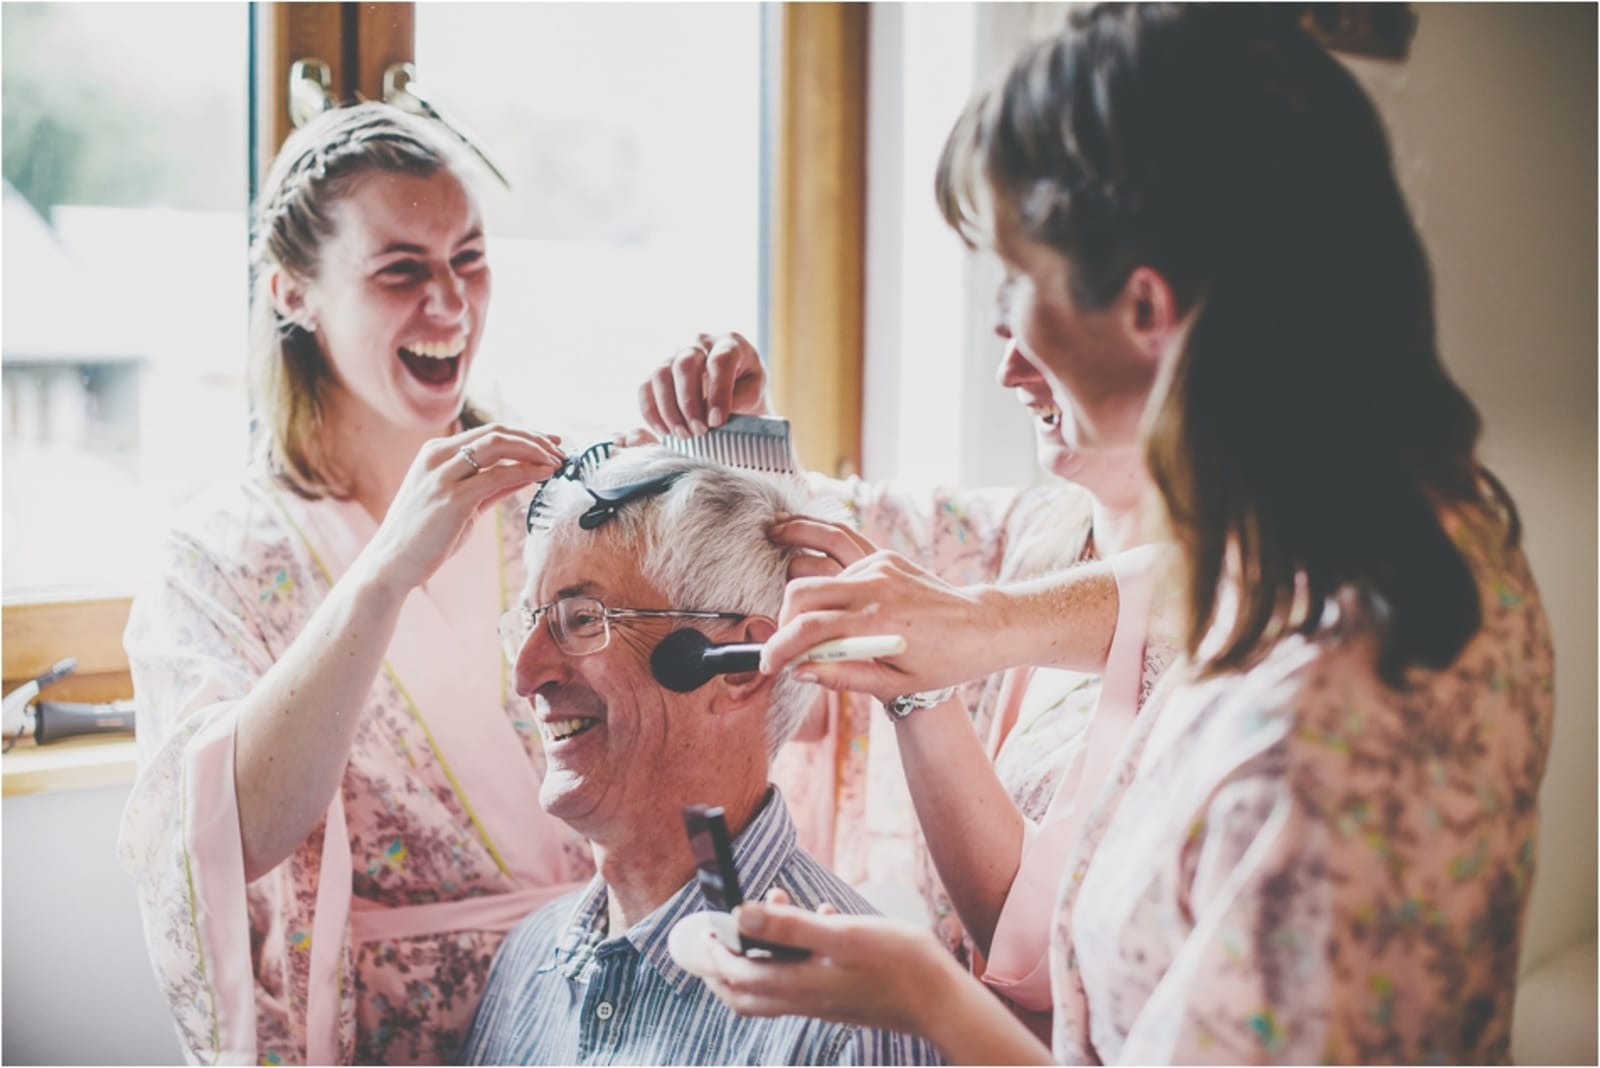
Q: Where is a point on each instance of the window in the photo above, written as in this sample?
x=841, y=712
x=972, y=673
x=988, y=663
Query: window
x=633, y=220
x=124, y=279
x=935, y=413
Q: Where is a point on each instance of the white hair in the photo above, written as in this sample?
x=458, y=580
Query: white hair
x=703, y=542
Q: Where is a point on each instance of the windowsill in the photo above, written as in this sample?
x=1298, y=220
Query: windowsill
x=74, y=764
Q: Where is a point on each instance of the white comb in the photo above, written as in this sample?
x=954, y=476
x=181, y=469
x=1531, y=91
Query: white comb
x=751, y=442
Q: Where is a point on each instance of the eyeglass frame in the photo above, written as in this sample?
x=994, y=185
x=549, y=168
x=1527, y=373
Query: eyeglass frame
x=607, y=614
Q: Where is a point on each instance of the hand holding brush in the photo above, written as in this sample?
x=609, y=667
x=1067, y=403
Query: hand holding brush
x=686, y=659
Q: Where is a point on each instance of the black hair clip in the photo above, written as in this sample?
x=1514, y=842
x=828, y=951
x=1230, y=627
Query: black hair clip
x=608, y=501
x=575, y=468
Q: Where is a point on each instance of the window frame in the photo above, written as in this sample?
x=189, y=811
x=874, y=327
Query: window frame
x=818, y=251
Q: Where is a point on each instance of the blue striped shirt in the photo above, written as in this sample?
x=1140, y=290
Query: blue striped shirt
x=561, y=992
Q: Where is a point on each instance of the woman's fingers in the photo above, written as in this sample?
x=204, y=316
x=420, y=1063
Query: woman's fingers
x=752, y=988
x=735, y=380
x=494, y=483
x=702, y=384
x=863, y=970
x=648, y=411
x=813, y=565
x=808, y=629
x=689, y=386
x=856, y=676
x=502, y=446
x=664, y=391
x=838, y=540
x=826, y=936
x=858, y=590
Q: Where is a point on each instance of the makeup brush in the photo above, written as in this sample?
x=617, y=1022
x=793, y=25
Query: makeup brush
x=686, y=659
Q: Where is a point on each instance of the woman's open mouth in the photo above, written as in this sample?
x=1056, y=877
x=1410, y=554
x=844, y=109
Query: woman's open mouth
x=436, y=363
x=1048, y=414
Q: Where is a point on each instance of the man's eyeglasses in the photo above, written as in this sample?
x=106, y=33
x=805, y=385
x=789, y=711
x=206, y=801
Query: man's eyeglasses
x=581, y=625
x=607, y=502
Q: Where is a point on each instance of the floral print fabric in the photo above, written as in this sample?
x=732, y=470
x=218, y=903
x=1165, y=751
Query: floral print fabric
x=237, y=583
x=846, y=789
x=1306, y=866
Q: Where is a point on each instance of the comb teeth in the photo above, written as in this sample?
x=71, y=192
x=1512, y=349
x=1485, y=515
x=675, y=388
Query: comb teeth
x=750, y=442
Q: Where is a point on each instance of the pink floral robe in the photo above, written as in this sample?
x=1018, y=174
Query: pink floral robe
x=847, y=774
x=1300, y=865
x=1055, y=750
x=371, y=942
x=842, y=775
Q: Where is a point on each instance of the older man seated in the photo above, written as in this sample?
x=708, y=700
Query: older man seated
x=623, y=550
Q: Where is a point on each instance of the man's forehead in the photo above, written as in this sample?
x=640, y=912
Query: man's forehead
x=589, y=567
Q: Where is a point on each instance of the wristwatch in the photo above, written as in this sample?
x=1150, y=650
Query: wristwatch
x=901, y=707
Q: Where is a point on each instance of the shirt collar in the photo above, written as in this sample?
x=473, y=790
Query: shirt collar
x=759, y=853
x=583, y=933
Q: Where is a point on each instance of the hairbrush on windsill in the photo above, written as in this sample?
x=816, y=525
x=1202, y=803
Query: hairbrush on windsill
x=752, y=442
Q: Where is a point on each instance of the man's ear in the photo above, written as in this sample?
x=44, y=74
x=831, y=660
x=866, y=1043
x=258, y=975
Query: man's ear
x=289, y=297
x=743, y=687
x=1149, y=311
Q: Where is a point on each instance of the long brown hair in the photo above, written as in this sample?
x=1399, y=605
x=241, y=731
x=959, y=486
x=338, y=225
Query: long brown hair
x=317, y=167
x=1307, y=426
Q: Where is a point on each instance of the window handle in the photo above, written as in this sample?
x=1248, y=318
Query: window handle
x=400, y=88
x=309, y=95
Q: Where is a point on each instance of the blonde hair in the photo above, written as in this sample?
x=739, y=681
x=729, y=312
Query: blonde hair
x=317, y=167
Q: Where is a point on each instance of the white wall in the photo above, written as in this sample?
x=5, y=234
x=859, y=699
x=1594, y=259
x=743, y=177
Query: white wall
x=1493, y=124
x=78, y=986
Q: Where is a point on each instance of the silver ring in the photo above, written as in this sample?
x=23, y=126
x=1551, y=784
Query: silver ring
x=466, y=454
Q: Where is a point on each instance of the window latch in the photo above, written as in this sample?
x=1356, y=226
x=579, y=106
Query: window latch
x=310, y=94
x=400, y=88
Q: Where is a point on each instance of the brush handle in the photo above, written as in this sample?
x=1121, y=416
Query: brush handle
x=746, y=656
x=864, y=647
x=55, y=720
x=728, y=659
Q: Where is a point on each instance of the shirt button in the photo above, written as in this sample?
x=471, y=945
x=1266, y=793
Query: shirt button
x=604, y=1010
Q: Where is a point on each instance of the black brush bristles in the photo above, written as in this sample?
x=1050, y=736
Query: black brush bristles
x=686, y=659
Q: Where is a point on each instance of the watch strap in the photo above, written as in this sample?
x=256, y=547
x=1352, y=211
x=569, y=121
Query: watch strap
x=902, y=706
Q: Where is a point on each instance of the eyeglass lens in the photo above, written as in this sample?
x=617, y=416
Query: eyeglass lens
x=578, y=625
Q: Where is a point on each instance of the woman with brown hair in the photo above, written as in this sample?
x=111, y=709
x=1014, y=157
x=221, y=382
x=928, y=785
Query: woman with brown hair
x=1318, y=842
x=336, y=816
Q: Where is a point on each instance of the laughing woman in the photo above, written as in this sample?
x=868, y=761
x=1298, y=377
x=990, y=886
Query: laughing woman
x=1318, y=841
x=336, y=817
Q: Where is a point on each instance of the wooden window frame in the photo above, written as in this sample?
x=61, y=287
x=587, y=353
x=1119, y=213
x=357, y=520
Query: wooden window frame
x=818, y=252
x=357, y=41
